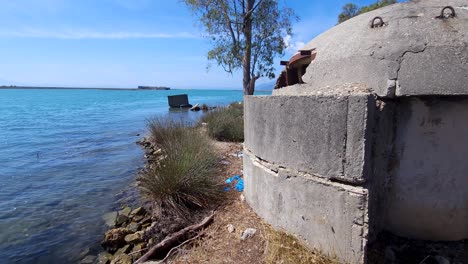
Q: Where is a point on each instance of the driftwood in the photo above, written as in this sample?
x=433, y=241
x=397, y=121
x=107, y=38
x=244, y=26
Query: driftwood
x=174, y=238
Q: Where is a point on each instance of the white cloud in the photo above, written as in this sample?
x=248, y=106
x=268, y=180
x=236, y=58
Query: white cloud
x=292, y=45
x=86, y=34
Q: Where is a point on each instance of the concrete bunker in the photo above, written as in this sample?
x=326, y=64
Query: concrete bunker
x=374, y=139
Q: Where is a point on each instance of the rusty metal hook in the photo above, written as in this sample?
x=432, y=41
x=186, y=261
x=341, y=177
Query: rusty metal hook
x=442, y=13
x=380, y=24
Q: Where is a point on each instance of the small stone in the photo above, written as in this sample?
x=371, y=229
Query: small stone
x=114, y=239
x=139, y=246
x=242, y=198
x=122, y=259
x=126, y=211
x=123, y=250
x=230, y=228
x=133, y=238
x=88, y=260
x=110, y=218
x=104, y=258
x=121, y=219
x=133, y=227
x=248, y=233
x=145, y=220
x=138, y=211
x=138, y=218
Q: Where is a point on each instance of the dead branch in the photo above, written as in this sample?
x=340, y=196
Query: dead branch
x=170, y=240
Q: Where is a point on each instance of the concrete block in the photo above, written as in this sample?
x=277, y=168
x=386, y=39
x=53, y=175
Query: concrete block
x=180, y=100
x=323, y=135
x=328, y=216
x=443, y=75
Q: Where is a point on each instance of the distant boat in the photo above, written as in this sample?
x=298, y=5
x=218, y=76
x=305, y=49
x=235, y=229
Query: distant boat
x=153, y=88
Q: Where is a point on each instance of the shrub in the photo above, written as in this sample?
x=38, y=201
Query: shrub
x=185, y=178
x=226, y=123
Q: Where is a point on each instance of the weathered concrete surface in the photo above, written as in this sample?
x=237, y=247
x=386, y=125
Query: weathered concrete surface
x=328, y=216
x=325, y=136
x=414, y=53
x=428, y=198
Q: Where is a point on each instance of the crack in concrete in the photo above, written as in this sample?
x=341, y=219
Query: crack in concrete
x=276, y=170
x=400, y=60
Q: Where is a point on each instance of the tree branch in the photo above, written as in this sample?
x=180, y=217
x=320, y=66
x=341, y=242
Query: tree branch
x=228, y=22
x=253, y=9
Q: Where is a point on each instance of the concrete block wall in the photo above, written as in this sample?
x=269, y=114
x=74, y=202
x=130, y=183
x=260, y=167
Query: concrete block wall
x=306, y=164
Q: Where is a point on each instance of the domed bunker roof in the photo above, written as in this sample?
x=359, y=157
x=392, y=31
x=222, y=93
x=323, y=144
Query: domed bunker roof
x=420, y=49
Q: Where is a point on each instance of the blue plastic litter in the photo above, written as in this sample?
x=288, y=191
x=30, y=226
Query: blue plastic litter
x=232, y=179
x=239, y=186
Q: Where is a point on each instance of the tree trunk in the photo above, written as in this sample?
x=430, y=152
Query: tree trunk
x=248, y=87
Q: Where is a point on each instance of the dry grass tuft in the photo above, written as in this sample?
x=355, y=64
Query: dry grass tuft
x=285, y=248
x=184, y=179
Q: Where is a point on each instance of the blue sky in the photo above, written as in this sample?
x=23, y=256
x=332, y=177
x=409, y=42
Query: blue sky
x=125, y=43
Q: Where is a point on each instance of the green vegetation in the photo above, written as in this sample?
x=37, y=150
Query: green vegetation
x=184, y=177
x=246, y=34
x=226, y=123
x=351, y=10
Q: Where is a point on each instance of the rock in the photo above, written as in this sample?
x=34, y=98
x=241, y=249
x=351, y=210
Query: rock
x=133, y=227
x=139, y=246
x=133, y=238
x=196, y=107
x=104, y=258
x=88, y=260
x=146, y=220
x=442, y=260
x=137, y=251
x=126, y=211
x=249, y=232
x=138, y=218
x=230, y=228
x=138, y=211
x=122, y=259
x=157, y=152
x=121, y=219
x=123, y=250
x=110, y=218
x=242, y=198
x=225, y=162
x=114, y=239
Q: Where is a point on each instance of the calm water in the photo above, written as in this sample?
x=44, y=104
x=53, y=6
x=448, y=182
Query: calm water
x=66, y=158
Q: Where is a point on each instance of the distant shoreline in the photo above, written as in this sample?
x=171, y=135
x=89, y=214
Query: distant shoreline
x=63, y=88
x=12, y=87
x=79, y=88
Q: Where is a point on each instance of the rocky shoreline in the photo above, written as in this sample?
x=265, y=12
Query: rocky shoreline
x=132, y=231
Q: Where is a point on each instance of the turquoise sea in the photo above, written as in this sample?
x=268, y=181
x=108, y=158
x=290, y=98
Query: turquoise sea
x=69, y=156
